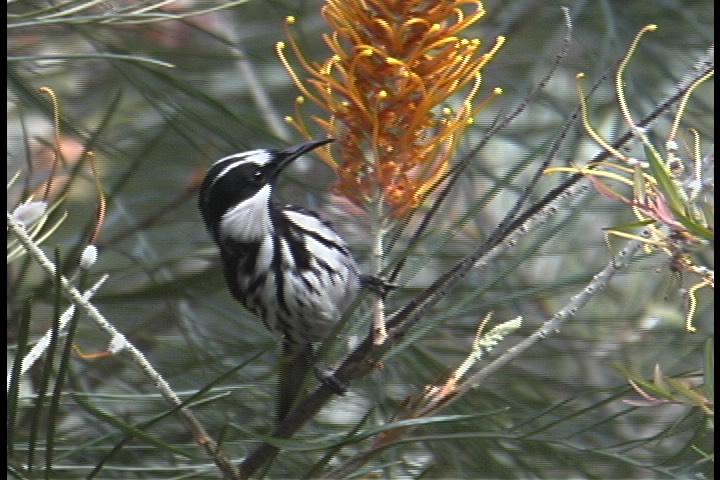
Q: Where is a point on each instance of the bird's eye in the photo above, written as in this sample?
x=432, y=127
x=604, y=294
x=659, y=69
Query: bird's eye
x=258, y=175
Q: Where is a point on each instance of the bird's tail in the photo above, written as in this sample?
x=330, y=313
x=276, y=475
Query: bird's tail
x=296, y=361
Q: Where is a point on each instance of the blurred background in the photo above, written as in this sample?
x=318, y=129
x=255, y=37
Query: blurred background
x=158, y=99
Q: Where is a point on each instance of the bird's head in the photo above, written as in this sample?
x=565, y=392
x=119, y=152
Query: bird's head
x=245, y=177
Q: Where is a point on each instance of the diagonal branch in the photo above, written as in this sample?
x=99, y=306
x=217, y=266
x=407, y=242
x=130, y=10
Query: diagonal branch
x=82, y=301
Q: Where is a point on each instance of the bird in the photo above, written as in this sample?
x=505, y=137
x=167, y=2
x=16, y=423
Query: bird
x=283, y=263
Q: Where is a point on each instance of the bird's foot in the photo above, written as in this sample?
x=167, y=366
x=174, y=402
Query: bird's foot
x=328, y=378
x=377, y=285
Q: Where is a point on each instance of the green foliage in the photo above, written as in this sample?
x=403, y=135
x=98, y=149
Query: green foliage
x=158, y=92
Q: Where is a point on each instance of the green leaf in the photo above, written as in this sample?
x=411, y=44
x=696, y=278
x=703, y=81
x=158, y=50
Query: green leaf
x=666, y=184
x=138, y=430
x=308, y=445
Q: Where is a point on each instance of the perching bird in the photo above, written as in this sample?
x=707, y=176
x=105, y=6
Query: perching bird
x=283, y=263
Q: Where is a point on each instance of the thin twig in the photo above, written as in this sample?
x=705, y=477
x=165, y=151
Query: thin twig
x=42, y=344
x=553, y=324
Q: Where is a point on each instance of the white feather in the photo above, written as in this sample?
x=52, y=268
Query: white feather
x=249, y=220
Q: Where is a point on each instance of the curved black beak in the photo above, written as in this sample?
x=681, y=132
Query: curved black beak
x=286, y=156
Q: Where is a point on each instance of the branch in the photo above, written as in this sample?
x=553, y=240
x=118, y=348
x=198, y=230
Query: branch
x=122, y=343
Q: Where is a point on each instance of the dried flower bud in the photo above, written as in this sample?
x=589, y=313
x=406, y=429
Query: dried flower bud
x=88, y=257
x=117, y=344
x=29, y=213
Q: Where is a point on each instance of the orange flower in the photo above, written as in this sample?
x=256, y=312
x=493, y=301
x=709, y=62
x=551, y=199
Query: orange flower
x=395, y=65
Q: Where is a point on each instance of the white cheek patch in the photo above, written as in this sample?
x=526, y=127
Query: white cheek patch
x=249, y=220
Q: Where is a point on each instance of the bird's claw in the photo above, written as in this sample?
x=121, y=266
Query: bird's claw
x=377, y=285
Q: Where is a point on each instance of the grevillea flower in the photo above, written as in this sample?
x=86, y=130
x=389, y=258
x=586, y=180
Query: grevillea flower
x=667, y=197
x=388, y=88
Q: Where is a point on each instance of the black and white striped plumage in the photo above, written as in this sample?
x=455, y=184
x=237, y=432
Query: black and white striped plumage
x=283, y=263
